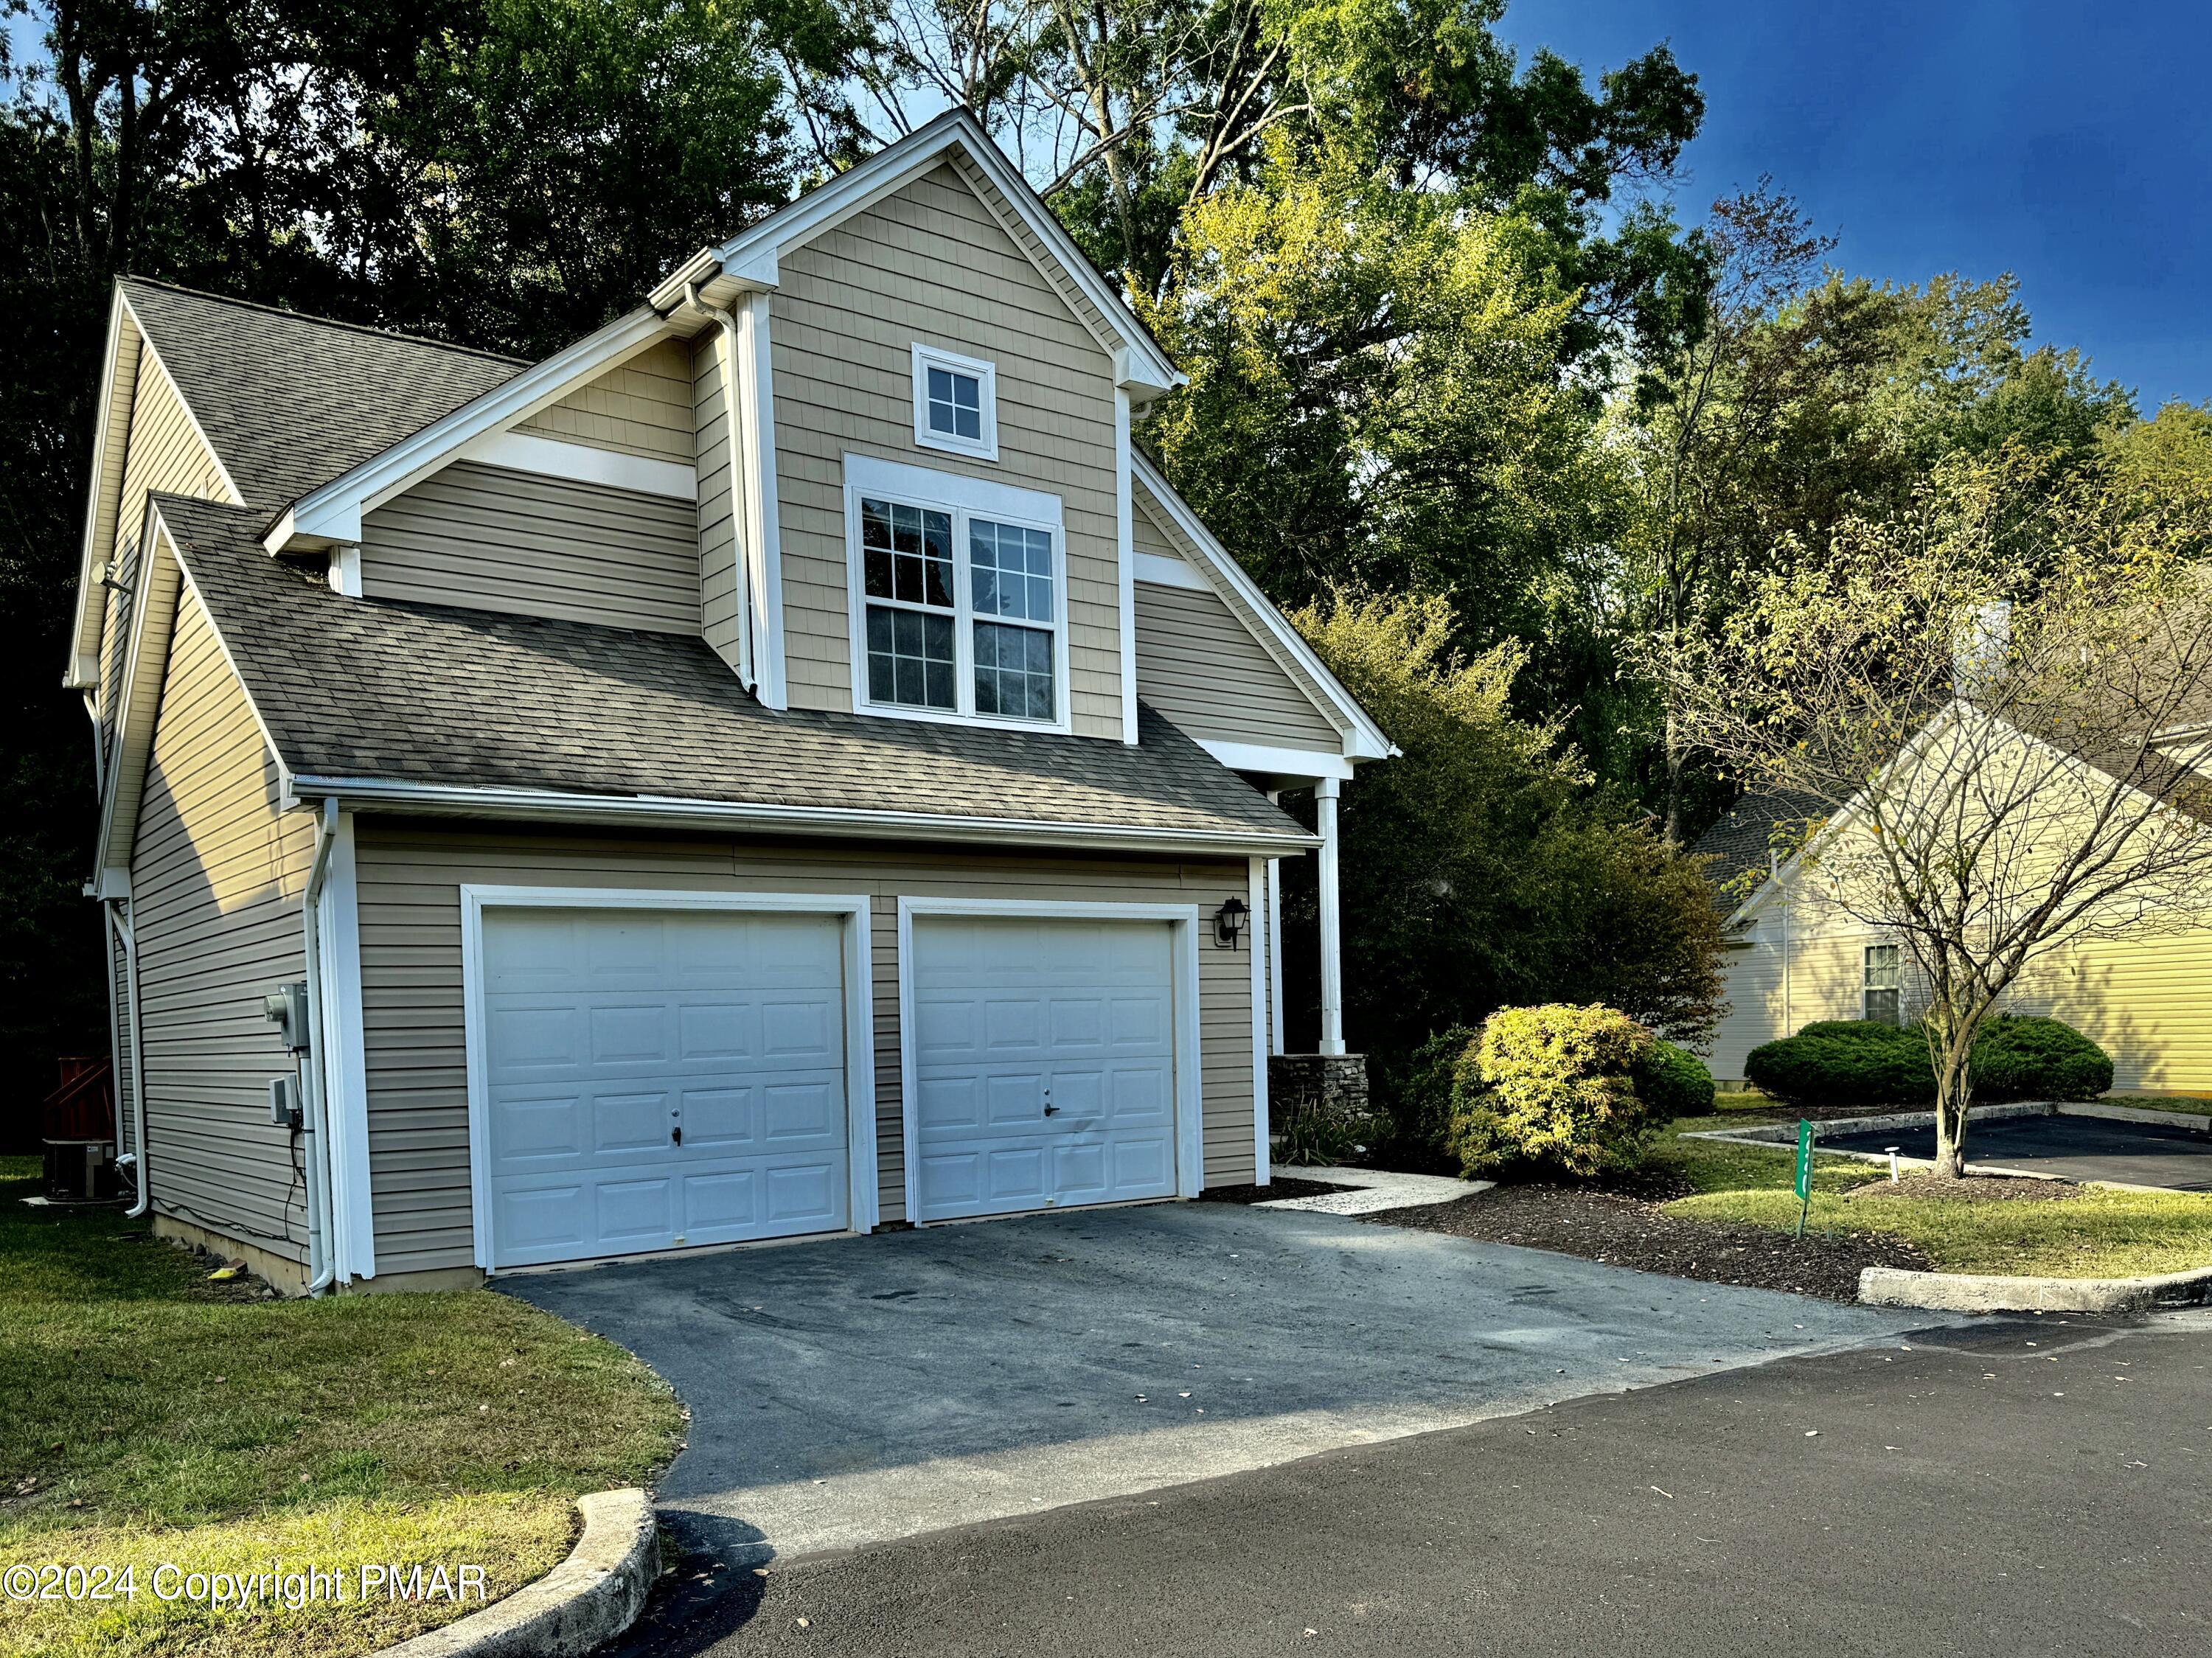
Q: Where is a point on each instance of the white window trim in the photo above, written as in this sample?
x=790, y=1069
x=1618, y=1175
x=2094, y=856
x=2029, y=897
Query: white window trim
x=860, y=1016
x=962, y=497
x=1182, y=952
x=985, y=376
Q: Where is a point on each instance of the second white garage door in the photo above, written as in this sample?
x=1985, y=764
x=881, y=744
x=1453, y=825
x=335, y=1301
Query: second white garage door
x=1045, y=1063
x=660, y=1078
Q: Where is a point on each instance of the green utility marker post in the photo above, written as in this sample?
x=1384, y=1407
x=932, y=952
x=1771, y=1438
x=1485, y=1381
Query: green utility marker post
x=1804, y=1172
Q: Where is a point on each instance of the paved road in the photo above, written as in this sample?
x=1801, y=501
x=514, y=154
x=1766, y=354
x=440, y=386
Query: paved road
x=858, y=1389
x=2078, y=1148
x=2021, y=1487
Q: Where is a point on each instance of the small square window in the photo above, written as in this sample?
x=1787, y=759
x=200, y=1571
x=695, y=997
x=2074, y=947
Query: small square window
x=954, y=400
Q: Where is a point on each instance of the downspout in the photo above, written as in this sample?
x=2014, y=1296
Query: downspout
x=129, y=932
x=98, y=746
x=322, y=1262
x=741, y=505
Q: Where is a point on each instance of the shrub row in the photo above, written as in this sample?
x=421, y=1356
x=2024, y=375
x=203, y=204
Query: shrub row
x=1857, y=1062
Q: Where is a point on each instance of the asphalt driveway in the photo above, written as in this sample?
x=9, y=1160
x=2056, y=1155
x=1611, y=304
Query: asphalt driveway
x=858, y=1389
x=2075, y=1148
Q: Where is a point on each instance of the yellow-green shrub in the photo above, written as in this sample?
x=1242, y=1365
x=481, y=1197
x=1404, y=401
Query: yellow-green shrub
x=1553, y=1085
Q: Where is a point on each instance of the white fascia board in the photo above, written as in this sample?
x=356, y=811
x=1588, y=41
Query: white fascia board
x=332, y=512
x=1365, y=740
x=582, y=462
x=548, y=805
x=1277, y=762
x=748, y=258
x=159, y=574
x=85, y=630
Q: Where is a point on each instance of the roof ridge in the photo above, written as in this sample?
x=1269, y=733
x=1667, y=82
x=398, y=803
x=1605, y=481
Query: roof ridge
x=323, y=322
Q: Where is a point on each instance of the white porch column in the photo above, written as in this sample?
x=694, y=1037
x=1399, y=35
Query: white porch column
x=1332, y=966
x=1274, y=944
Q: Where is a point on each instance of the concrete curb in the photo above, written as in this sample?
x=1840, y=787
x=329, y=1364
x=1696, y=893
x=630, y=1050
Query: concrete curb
x=1981, y=1292
x=588, y=1599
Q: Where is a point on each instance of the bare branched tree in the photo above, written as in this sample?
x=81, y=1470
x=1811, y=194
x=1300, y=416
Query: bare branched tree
x=2001, y=701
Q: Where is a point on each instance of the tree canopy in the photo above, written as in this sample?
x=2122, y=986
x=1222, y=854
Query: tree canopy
x=1468, y=385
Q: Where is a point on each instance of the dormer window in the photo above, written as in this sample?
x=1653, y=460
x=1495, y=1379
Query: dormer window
x=954, y=404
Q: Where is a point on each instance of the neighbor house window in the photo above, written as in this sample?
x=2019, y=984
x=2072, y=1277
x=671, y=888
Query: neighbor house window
x=959, y=597
x=1884, y=980
x=954, y=404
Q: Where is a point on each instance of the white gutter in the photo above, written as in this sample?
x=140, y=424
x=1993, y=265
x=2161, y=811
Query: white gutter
x=322, y=1262
x=849, y=822
x=128, y=932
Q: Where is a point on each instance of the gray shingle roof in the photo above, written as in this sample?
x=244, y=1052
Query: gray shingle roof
x=289, y=402
x=370, y=689
x=1739, y=844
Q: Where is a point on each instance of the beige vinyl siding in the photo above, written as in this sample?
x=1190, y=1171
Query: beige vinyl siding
x=410, y=876
x=1154, y=530
x=1198, y=665
x=931, y=264
x=642, y=408
x=163, y=453
x=493, y=539
x=217, y=875
x=720, y=617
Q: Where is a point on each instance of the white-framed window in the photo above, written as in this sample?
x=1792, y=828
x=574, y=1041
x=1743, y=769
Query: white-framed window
x=1884, y=984
x=956, y=403
x=958, y=589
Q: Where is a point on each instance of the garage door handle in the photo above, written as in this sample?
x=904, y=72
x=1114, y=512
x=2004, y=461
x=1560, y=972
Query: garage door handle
x=676, y=1134
x=1052, y=1111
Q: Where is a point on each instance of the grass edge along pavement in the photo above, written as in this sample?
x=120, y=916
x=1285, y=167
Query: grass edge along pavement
x=153, y=1415
x=2094, y=1232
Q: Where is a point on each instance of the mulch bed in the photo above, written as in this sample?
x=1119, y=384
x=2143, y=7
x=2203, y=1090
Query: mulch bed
x=1970, y=1188
x=1628, y=1230
x=1283, y=1186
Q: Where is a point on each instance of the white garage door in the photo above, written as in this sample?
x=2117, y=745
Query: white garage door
x=1044, y=1055
x=658, y=1078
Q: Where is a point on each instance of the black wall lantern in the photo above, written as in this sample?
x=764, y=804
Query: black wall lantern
x=1229, y=923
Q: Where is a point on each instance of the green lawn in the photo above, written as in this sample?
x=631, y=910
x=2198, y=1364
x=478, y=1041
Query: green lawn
x=151, y=1417
x=2162, y=1102
x=2100, y=1234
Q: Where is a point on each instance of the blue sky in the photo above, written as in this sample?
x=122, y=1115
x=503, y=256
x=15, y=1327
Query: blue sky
x=2070, y=145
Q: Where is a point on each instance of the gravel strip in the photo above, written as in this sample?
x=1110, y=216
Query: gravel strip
x=1630, y=1231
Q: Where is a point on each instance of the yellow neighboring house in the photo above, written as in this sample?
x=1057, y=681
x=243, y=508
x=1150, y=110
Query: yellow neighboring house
x=1794, y=957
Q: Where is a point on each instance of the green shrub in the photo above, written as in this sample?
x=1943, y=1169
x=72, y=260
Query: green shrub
x=1845, y=1062
x=1673, y=1082
x=1418, y=1099
x=2018, y=1057
x=1855, y=1062
x=1552, y=1085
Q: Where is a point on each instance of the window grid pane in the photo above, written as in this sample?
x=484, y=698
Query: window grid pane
x=1010, y=570
x=910, y=660
x=907, y=553
x=955, y=404
x=1013, y=672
